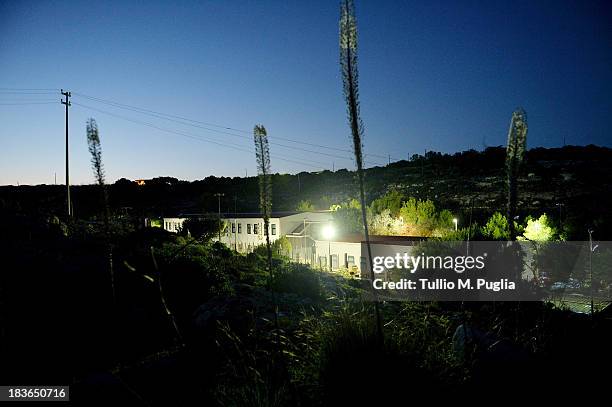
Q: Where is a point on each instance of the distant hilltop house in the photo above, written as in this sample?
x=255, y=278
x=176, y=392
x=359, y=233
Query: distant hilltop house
x=311, y=235
x=139, y=182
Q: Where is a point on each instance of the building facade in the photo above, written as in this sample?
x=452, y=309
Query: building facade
x=243, y=232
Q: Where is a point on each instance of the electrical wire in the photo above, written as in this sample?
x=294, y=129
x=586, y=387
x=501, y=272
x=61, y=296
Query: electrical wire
x=26, y=103
x=221, y=129
x=243, y=136
x=29, y=89
x=189, y=122
x=191, y=136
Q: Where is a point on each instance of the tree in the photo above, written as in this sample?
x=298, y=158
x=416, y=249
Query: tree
x=95, y=149
x=283, y=246
x=350, y=80
x=262, y=154
x=392, y=201
x=385, y=224
x=496, y=228
x=515, y=154
x=202, y=229
x=124, y=182
x=444, y=222
x=420, y=217
x=305, y=206
x=539, y=230
x=347, y=217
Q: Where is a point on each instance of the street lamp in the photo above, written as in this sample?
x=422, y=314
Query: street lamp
x=219, y=195
x=591, y=250
x=328, y=234
x=455, y=221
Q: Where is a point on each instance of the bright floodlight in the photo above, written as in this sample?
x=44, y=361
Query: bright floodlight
x=328, y=232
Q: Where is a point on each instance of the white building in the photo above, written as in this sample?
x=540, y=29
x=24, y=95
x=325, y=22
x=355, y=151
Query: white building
x=350, y=251
x=244, y=231
x=304, y=230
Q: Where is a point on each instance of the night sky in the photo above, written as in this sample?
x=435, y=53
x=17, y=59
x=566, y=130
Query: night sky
x=441, y=76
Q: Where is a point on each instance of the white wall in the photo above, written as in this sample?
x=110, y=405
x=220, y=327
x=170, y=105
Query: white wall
x=172, y=224
x=325, y=248
x=245, y=242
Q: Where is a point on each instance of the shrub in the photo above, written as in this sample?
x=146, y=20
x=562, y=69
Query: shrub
x=298, y=279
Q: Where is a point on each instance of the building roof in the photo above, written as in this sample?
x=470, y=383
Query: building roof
x=240, y=215
x=378, y=239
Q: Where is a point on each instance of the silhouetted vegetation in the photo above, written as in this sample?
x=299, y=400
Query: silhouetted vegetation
x=221, y=306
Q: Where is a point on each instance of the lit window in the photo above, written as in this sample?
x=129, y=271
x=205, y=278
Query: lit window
x=248, y=228
x=273, y=229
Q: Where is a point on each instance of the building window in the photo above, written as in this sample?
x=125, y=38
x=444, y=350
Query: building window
x=248, y=228
x=322, y=262
x=273, y=229
x=334, y=262
x=350, y=261
x=240, y=228
x=233, y=227
x=255, y=228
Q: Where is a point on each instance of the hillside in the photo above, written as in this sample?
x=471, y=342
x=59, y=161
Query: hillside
x=578, y=178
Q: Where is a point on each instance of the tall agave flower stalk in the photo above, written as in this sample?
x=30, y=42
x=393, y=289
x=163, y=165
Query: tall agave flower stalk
x=350, y=81
x=515, y=154
x=262, y=153
x=95, y=149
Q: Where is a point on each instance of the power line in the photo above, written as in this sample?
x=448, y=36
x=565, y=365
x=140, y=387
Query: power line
x=221, y=129
x=66, y=102
x=195, y=137
x=189, y=122
x=31, y=89
x=243, y=136
x=26, y=93
x=27, y=103
x=12, y=100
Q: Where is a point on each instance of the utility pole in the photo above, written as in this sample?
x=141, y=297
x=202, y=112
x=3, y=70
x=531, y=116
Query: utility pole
x=423, y=168
x=219, y=195
x=67, y=103
x=299, y=184
x=591, y=267
x=389, y=159
x=235, y=222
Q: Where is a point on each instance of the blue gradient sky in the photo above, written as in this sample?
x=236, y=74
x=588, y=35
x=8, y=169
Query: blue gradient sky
x=440, y=76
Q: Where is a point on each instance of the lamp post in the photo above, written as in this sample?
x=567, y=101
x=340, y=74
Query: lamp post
x=455, y=221
x=328, y=234
x=219, y=195
x=591, y=249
